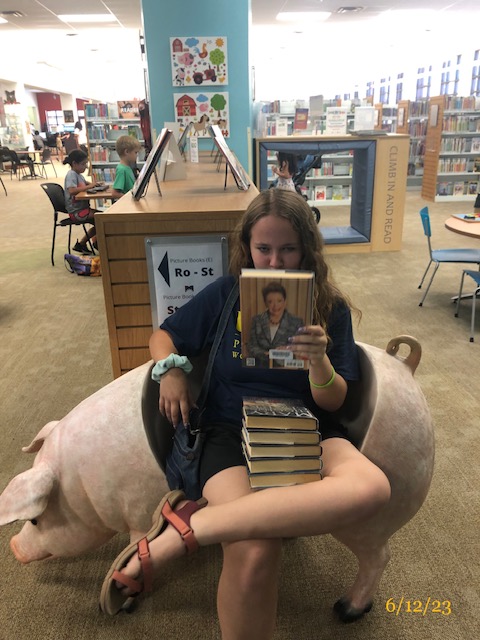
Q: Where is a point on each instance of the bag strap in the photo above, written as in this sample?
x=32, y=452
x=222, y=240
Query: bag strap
x=222, y=324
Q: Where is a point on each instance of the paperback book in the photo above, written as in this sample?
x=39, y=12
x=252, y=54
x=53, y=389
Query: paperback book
x=274, y=305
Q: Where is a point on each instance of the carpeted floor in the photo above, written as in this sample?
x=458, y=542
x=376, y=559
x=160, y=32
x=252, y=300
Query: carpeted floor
x=54, y=352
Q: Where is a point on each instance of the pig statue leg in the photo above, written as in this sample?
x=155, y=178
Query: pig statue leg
x=372, y=559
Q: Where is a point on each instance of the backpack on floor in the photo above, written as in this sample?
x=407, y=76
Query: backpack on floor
x=83, y=265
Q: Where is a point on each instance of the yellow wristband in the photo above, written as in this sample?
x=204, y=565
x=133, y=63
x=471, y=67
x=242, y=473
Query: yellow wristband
x=327, y=384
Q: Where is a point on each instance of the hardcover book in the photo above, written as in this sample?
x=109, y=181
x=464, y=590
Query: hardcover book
x=274, y=304
x=278, y=413
x=264, y=480
x=256, y=436
x=282, y=465
x=320, y=192
x=262, y=450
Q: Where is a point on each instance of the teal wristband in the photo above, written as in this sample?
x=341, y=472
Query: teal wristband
x=327, y=384
x=173, y=361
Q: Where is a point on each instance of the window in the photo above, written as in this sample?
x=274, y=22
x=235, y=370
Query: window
x=475, y=86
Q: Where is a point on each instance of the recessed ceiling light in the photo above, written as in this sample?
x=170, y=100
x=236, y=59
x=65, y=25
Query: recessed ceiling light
x=14, y=14
x=87, y=17
x=3, y=21
x=303, y=16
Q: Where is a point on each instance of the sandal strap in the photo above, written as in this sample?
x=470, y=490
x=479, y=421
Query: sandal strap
x=146, y=564
x=132, y=584
x=180, y=520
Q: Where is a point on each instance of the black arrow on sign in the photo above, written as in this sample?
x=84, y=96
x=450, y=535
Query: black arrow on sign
x=163, y=268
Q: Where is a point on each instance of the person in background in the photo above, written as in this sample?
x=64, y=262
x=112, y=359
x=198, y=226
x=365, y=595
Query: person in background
x=127, y=148
x=80, y=136
x=287, y=168
x=38, y=143
x=59, y=145
x=79, y=210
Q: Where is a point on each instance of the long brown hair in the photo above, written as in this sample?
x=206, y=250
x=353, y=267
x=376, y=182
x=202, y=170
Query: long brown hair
x=292, y=207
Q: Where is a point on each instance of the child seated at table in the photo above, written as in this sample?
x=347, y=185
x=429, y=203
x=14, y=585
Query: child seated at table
x=79, y=210
x=127, y=148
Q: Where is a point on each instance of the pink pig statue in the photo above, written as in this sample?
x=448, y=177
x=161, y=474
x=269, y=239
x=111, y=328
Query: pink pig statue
x=93, y=478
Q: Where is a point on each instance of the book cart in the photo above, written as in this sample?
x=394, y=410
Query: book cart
x=196, y=205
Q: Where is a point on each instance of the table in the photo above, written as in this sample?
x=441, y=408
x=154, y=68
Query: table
x=100, y=195
x=471, y=229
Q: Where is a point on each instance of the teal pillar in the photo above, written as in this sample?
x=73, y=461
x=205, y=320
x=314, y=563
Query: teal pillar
x=163, y=20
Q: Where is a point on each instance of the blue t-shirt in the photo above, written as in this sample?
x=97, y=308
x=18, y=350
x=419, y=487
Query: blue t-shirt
x=192, y=329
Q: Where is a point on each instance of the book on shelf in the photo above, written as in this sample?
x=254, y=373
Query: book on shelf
x=277, y=413
x=320, y=192
x=278, y=449
x=475, y=146
x=301, y=119
x=274, y=304
x=458, y=188
x=260, y=436
x=265, y=480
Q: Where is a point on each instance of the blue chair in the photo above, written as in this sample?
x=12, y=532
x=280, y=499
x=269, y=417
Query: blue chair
x=453, y=256
x=475, y=275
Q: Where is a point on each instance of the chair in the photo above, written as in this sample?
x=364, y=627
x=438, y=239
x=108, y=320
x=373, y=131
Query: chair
x=56, y=196
x=20, y=165
x=3, y=185
x=6, y=161
x=46, y=159
x=452, y=256
x=475, y=275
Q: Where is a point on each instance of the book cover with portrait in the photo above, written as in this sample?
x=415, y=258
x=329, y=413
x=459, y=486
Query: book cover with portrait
x=274, y=304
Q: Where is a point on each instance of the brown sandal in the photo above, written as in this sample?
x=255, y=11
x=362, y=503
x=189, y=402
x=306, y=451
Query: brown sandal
x=111, y=599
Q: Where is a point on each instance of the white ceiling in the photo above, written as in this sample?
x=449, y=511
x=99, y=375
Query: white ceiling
x=85, y=62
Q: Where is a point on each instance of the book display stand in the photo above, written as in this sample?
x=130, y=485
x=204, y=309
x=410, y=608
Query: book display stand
x=241, y=178
x=165, y=153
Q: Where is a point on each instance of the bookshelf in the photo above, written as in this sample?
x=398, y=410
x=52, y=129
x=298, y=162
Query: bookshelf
x=104, y=126
x=412, y=119
x=452, y=149
x=329, y=185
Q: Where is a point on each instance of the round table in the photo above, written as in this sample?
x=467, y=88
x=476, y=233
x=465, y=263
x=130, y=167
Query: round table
x=465, y=228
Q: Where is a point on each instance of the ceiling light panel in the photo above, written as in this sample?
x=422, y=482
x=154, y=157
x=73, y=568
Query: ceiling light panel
x=91, y=18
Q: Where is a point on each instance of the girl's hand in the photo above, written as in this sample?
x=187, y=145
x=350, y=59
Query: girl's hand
x=309, y=343
x=175, y=398
x=283, y=172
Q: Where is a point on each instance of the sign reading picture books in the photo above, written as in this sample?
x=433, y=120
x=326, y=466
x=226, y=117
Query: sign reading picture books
x=201, y=110
x=199, y=60
x=274, y=304
x=181, y=266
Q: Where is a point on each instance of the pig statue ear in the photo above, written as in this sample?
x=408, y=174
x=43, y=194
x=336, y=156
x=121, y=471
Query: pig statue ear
x=26, y=496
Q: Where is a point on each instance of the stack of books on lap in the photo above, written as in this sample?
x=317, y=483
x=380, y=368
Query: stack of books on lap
x=281, y=442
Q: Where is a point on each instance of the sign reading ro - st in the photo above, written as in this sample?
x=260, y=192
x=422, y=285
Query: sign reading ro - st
x=181, y=266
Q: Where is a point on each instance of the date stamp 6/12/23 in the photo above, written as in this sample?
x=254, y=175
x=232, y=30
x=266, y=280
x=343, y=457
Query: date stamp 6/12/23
x=430, y=605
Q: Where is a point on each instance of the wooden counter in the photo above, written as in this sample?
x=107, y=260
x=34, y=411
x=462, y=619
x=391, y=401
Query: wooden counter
x=197, y=205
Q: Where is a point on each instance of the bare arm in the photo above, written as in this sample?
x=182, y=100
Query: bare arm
x=311, y=343
x=175, y=398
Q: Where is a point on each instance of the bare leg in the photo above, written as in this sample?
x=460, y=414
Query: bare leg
x=352, y=490
x=248, y=587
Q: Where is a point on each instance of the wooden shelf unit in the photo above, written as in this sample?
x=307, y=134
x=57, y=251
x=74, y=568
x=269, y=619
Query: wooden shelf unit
x=198, y=205
x=447, y=116
x=412, y=119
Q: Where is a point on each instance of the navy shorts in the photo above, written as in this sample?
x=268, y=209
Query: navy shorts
x=222, y=447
